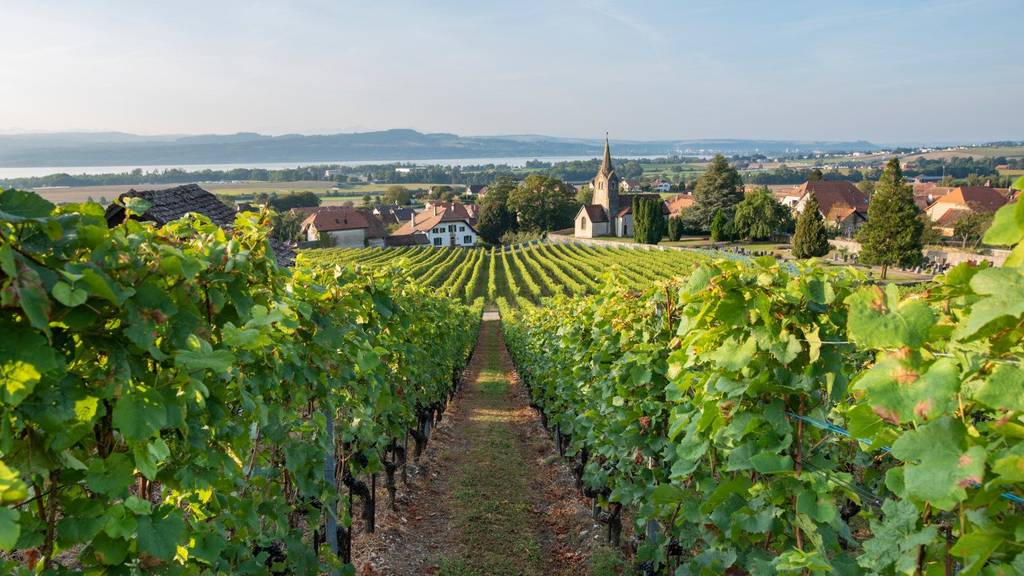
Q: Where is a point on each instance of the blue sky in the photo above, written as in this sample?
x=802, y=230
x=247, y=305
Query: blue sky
x=894, y=71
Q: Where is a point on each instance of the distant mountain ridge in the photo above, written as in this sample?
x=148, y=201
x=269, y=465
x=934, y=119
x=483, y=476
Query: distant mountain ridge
x=119, y=148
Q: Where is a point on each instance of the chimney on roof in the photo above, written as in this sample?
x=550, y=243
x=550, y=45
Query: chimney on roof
x=435, y=209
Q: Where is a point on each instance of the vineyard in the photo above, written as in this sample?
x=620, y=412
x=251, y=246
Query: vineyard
x=746, y=419
x=518, y=274
x=173, y=402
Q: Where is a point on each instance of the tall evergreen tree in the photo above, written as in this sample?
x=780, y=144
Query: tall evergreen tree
x=811, y=238
x=648, y=220
x=892, y=234
x=718, y=226
x=718, y=188
x=675, y=228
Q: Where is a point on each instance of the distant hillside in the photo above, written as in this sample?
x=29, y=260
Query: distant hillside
x=117, y=149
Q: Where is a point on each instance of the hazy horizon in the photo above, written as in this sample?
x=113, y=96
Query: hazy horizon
x=924, y=72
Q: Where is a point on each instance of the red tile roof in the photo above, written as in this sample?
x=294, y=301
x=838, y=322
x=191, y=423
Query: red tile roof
x=434, y=215
x=334, y=218
x=680, y=203
x=977, y=198
x=831, y=192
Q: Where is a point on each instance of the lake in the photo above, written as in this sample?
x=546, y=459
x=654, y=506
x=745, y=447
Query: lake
x=518, y=162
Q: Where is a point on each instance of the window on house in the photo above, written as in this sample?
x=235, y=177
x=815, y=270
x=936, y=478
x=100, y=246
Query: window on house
x=583, y=223
x=451, y=227
x=437, y=241
x=467, y=240
x=462, y=228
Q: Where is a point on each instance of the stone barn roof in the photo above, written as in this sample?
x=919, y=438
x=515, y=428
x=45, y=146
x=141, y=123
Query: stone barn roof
x=170, y=204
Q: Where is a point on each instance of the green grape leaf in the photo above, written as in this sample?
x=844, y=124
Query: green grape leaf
x=895, y=540
x=898, y=393
x=732, y=355
x=1003, y=288
x=109, y=551
x=69, y=295
x=33, y=298
x=800, y=562
x=121, y=523
x=1007, y=226
x=938, y=465
x=1009, y=465
x=137, y=505
x=1003, y=389
x=18, y=206
x=77, y=529
x=976, y=548
x=880, y=320
x=136, y=206
x=864, y=424
x=148, y=458
x=767, y=463
x=111, y=476
x=139, y=414
x=12, y=489
x=10, y=529
x=25, y=357
x=160, y=534
x=216, y=360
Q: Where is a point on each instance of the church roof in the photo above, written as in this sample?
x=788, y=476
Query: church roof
x=595, y=212
x=606, y=164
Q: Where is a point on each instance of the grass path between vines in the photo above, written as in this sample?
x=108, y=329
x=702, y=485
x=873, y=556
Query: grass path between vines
x=491, y=496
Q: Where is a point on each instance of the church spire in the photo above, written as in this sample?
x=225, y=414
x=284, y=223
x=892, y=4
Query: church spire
x=606, y=164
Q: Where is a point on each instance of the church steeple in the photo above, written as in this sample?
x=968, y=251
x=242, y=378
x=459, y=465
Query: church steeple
x=606, y=164
x=606, y=184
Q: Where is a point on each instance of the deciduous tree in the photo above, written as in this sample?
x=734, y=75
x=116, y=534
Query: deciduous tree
x=397, y=195
x=542, y=203
x=970, y=227
x=496, y=218
x=759, y=216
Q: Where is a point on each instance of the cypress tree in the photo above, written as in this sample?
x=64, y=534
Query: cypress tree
x=810, y=238
x=648, y=220
x=892, y=234
x=675, y=228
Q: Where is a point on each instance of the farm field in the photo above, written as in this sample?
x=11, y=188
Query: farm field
x=975, y=152
x=333, y=194
x=523, y=274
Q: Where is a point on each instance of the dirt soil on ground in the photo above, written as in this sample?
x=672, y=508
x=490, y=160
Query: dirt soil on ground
x=489, y=495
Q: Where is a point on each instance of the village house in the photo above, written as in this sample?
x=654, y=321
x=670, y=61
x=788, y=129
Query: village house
x=393, y=214
x=610, y=213
x=451, y=224
x=171, y=204
x=926, y=193
x=343, y=227
x=842, y=205
x=951, y=207
x=678, y=203
x=631, y=185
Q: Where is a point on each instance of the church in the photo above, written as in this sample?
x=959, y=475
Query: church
x=609, y=213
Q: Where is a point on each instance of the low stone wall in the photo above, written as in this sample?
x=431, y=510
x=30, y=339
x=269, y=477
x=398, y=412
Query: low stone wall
x=565, y=238
x=941, y=254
